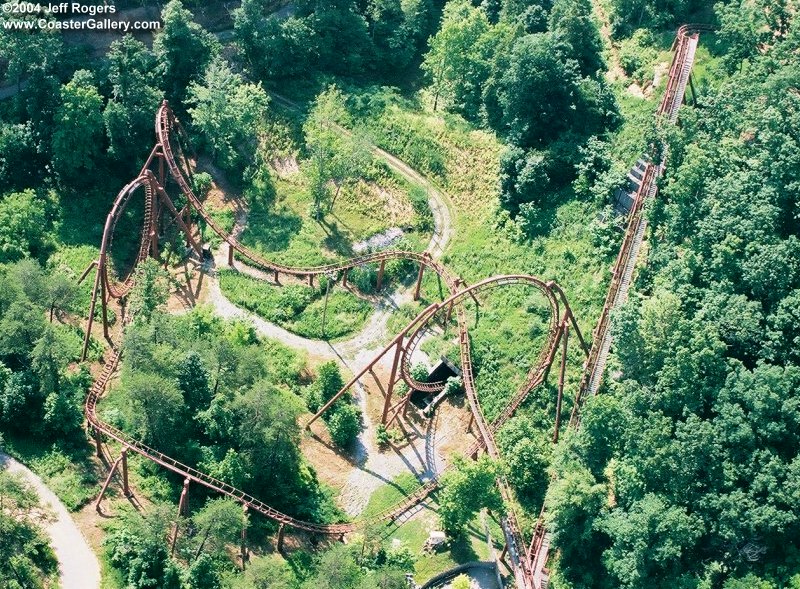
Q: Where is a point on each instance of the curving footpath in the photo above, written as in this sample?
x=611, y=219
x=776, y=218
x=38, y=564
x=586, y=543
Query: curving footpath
x=169, y=152
x=78, y=567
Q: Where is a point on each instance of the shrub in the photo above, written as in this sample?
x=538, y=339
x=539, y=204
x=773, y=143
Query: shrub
x=344, y=425
x=364, y=278
x=419, y=200
x=637, y=56
x=382, y=435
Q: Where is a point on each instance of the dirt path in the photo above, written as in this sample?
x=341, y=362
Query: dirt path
x=77, y=565
x=615, y=71
x=374, y=467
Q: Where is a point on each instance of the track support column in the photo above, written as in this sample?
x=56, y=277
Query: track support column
x=561, y=373
x=392, y=378
x=106, y=483
x=126, y=490
x=381, y=268
x=344, y=278
x=243, y=547
x=181, y=511
x=280, y=538
x=98, y=442
x=230, y=256
x=419, y=276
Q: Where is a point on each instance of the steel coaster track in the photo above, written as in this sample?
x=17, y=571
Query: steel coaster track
x=166, y=127
x=680, y=69
x=622, y=273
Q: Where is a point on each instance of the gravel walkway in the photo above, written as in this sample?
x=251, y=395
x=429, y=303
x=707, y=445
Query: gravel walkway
x=77, y=565
x=375, y=468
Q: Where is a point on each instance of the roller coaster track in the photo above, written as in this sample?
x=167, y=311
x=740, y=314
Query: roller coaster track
x=529, y=565
x=680, y=70
x=168, y=151
x=622, y=274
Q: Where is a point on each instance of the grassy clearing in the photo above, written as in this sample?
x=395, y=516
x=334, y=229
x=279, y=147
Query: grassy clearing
x=391, y=494
x=70, y=475
x=297, y=308
x=469, y=547
x=225, y=218
x=280, y=224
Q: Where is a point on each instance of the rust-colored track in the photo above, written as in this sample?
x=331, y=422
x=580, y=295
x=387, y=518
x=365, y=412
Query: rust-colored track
x=167, y=127
x=622, y=272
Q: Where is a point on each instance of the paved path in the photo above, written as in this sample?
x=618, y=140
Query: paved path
x=77, y=565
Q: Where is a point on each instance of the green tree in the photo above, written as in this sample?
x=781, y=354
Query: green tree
x=150, y=291
x=461, y=582
x=39, y=50
x=329, y=382
x=344, y=425
x=184, y=49
x=571, y=22
x=466, y=489
x=334, y=156
x=267, y=572
x=78, y=136
x=526, y=457
x=219, y=522
x=230, y=114
x=156, y=409
x=273, y=49
x=343, y=44
x=28, y=561
x=21, y=165
x=573, y=502
x=193, y=381
x=23, y=226
x=135, y=96
x=550, y=87
x=60, y=293
x=48, y=360
x=137, y=548
x=337, y=569
x=648, y=540
x=203, y=573
x=458, y=61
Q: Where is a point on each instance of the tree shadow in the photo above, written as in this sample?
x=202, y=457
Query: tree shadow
x=272, y=230
x=335, y=240
x=461, y=548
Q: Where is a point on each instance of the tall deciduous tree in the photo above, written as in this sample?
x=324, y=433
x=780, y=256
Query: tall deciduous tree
x=78, y=137
x=466, y=489
x=458, y=61
x=135, y=96
x=184, y=49
x=23, y=226
x=230, y=114
x=334, y=155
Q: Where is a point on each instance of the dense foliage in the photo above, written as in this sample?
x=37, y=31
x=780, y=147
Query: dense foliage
x=685, y=473
x=28, y=561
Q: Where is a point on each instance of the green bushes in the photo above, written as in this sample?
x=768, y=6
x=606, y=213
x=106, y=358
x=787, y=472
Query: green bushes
x=419, y=200
x=637, y=56
x=344, y=425
x=68, y=476
x=298, y=308
x=343, y=418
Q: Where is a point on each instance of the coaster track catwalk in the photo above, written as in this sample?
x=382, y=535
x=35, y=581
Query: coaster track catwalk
x=622, y=273
x=169, y=158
